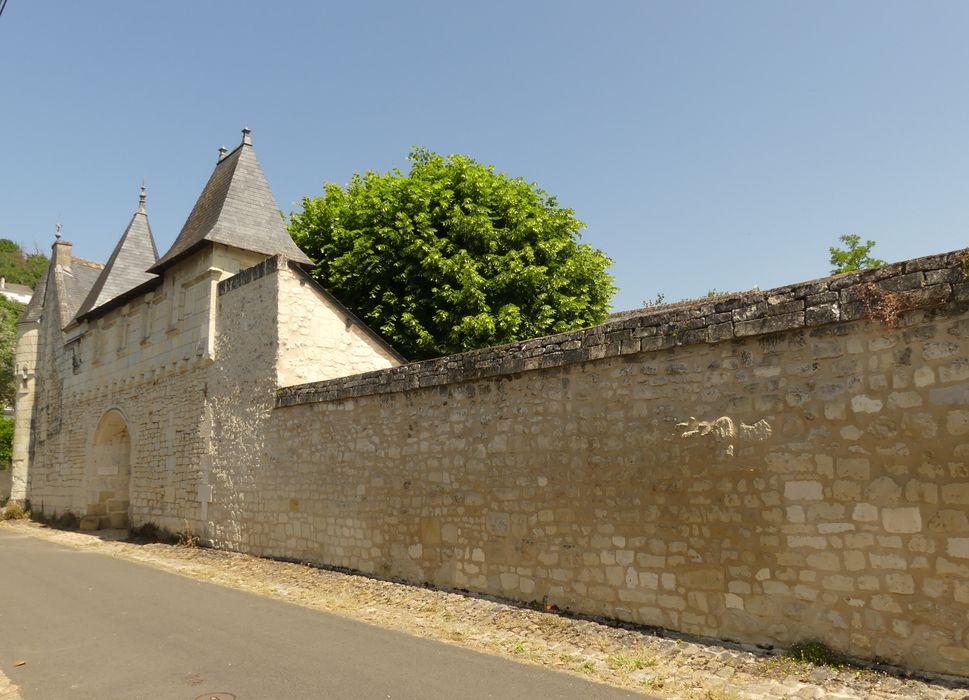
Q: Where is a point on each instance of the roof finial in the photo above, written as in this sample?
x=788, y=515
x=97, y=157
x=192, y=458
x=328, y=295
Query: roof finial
x=246, y=140
x=142, y=197
x=57, y=235
x=222, y=151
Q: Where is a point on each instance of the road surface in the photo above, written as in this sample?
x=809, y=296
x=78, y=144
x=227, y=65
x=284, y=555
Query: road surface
x=92, y=626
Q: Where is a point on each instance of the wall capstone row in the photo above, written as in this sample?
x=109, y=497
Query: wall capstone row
x=915, y=284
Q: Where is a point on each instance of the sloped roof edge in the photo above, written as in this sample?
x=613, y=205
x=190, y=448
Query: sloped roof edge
x=126, y=268
x=236, y=208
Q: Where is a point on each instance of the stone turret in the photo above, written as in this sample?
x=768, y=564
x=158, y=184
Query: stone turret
x=237, y=209
x=126, y=269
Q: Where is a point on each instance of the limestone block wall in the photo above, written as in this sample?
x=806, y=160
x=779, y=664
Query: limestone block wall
x=149, y=360
x=181, y=368
x=25, y=365
x=169, y=447
x=241, y=394
x=768, y=467
x=318, y=338
x=273, y=322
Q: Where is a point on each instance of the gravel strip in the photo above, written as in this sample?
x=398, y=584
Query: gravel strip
x=661, y=663
x=8, y=691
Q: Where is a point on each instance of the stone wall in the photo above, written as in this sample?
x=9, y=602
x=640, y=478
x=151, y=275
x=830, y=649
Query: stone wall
x=146, y=360
x=272, y=323
x=180, y=364
x=767, y=467
x=25, y=364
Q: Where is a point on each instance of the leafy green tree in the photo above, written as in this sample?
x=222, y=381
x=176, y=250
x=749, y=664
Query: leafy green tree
x=6, y=441
x=453, y=256
x=9, y=313
x=854, y=256
x=35, y=264
x=19, y=267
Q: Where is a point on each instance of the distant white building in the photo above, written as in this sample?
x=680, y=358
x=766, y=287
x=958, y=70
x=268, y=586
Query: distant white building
x=17, y=292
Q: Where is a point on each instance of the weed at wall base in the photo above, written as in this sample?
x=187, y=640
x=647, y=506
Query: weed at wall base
x=14, y=511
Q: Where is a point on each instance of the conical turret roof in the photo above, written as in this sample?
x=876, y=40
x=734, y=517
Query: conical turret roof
x=35, y=306
x=127, y=267
x=236, y=208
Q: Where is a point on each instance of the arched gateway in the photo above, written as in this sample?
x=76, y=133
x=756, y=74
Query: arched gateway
x=109, y=470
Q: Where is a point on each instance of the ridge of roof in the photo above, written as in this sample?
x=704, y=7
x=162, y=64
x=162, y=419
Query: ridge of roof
x=236, y=208
x=88, y=263
x=126, y=269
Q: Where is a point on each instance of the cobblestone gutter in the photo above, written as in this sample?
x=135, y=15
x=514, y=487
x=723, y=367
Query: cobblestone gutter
x=8, y=691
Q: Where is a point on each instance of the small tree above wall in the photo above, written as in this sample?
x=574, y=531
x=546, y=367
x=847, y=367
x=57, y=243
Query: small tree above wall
x=854, y=256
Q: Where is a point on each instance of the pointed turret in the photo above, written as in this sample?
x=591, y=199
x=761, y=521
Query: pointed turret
x=35, y=307
x=127, y=267
x=237, y=209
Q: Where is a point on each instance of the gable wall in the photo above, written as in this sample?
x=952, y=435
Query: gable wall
x=318, y=339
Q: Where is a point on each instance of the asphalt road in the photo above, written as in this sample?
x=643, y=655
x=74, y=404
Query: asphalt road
x=92, y=626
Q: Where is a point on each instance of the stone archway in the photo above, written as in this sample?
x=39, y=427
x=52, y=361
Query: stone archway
x=109, y=471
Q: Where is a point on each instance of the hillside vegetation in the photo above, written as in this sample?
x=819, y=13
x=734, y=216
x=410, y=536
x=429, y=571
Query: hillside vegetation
x=18, y=267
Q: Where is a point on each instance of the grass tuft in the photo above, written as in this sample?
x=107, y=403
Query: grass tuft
x=14, y=511
x=633, y=661
x=817, y=653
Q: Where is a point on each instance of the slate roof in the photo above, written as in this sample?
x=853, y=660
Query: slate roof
x=75, y=284
x=126, y=268
x=78, y=282
x=236, y=208
x=36, y=304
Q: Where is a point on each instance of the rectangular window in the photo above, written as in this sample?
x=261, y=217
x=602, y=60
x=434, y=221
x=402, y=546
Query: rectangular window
x=174, y=311
x=99, y=332
x=122, y=333
x=76, y=357
x=146, y=320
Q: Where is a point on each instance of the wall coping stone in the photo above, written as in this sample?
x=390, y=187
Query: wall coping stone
x=250, y=274
x=920, y=283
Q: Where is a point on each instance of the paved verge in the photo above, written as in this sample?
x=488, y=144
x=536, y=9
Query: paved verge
x=91, y=626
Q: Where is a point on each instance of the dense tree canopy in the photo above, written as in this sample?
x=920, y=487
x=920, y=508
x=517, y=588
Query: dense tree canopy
x=6, y=441
x=19, y=267
x=9, y=313
x=453, y=256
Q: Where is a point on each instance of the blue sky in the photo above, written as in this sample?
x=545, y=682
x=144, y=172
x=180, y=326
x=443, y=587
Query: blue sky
x=705, y=144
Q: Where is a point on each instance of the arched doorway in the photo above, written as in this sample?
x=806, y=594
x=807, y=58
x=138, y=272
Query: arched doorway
x=109, y=469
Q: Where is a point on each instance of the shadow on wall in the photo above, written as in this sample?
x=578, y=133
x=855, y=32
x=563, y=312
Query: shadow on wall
x=5, y=475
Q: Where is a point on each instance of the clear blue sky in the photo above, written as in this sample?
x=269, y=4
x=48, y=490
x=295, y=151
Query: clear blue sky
x=706, y=144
